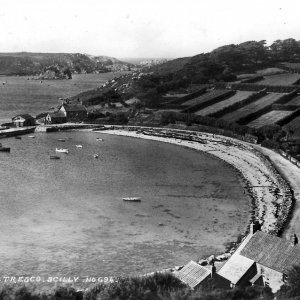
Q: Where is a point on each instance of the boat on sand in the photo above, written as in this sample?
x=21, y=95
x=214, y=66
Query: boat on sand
x=132, y=199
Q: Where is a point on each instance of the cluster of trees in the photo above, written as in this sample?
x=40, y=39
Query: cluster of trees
x=220, y=65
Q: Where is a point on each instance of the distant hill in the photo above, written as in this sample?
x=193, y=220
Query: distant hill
x=27, y=63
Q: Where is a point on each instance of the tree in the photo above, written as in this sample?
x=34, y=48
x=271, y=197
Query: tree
x=292, y=288
x=67, y=72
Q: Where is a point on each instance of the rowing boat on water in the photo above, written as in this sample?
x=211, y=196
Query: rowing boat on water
x=132, y=199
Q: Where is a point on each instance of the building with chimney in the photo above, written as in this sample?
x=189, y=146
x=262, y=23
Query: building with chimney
x=261, y=259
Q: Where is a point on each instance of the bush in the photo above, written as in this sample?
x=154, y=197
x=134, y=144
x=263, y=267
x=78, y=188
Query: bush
x=270, y=144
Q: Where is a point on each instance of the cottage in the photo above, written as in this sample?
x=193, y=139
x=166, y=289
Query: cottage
x=74, y=112
x=23, y=120
x=194, y=275
x=261, y=259
x=55, y=118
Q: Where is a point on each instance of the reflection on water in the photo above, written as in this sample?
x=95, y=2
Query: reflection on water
x=67, y=217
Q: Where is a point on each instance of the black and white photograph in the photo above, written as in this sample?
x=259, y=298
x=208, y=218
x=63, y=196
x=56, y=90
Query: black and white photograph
x=149, y=150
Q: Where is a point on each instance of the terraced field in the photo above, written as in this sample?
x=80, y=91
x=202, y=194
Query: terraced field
x=269, y=118
x=205, y=97
x=252, y=107
x=294, y=101
x=239, y=96
x=280, y=79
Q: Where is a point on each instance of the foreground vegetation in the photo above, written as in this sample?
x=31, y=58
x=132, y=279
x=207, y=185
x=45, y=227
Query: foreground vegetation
x=156, y=287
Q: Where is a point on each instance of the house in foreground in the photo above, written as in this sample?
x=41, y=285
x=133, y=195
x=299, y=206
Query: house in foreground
x=23, y=120
x=74, y=112
x=261, y=259
x=194, y=275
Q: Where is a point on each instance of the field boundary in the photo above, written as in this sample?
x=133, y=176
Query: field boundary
x=216, y=99
x=237, y=105
x=252, y=116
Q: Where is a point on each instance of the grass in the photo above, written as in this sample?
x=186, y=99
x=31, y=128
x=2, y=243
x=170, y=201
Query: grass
x=269, y=118
x=239, y=96
x=294, y=101
x=252, y=107
x=205, y=97
x=281, y=79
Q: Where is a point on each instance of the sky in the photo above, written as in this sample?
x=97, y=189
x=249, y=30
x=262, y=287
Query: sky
x=143, y=28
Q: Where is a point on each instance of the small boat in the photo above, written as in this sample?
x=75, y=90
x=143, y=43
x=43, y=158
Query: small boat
x=18, y=138
x=78, y=146
x=132, y=199
x=31, y=136
x=61, y=140
x=54, y=157
x=4, y=149
x=96, y=156
x=62, y=150
x=99, y=139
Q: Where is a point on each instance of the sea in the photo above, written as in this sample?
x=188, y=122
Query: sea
x=66, y=217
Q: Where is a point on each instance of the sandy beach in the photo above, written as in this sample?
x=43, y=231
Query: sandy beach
x=270, y=193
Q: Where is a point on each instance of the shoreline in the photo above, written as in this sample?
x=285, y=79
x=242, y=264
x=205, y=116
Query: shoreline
x=271, y=195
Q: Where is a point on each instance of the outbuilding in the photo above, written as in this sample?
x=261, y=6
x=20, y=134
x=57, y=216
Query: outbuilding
x=23, y=120
x=55, y=118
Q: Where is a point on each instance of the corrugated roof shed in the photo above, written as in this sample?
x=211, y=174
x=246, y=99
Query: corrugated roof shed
x=272, y=251
x=236, y=267
x=193, y=274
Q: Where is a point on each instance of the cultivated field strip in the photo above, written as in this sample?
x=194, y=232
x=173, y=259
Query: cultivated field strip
x=239, y=96
x=252, y=107
x=205, y=97
x=269, y=118
x=281, y=79
x=294, y=101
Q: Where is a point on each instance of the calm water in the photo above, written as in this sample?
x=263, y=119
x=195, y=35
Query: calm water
x=20, y=95
x=66, y=217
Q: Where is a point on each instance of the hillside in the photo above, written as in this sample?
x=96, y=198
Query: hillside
x=26, y=63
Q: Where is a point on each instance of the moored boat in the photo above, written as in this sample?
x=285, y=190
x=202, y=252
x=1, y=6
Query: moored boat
x=78, y=146
x=31, y=136
x=99, y=139
x=54, y=157
x=62, y=150
x=4, y=149
x=18, y=137
x=96, y=156
x=132, y=199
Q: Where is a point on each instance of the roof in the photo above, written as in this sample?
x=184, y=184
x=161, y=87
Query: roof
x=24, y=116
x=72, y=107
x=192, y=274
x=56, y=115
x=271, y=251
x=235, y=268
